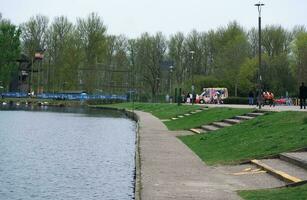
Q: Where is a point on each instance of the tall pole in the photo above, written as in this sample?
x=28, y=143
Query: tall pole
x=192, y=71
x=259, y=5
x=170, y=80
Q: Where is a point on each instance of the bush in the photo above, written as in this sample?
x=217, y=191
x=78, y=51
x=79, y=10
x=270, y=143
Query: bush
x=236, y=100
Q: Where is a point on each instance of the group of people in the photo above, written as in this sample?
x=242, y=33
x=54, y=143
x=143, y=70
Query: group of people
x=266, y=98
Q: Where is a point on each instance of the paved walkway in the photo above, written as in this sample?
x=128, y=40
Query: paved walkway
x=170, y=170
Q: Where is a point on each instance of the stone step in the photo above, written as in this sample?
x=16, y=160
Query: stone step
x=296, y=158
x=198, y=111
x=193, y=112
x=232, y=121
x=180, y=116
x=283, y=170
x=241, y=117
x=209, y=127
x=197, y=130
x=221, y=124
x=174, y=118
x=255, y=114
x=187, y=114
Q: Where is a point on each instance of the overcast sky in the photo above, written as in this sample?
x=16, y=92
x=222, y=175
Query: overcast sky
x=133, y=17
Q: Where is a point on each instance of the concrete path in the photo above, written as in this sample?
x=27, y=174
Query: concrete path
x=170, y=170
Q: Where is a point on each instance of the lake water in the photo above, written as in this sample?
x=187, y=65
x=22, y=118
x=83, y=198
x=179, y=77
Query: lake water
x=66, y=154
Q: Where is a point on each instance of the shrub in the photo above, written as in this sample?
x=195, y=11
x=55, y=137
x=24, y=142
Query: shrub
x=236, y=100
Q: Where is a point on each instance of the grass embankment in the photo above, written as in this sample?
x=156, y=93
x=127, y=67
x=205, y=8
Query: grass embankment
x=205, y=117
x=266, y=135
x=295, y=193
x=160, y=110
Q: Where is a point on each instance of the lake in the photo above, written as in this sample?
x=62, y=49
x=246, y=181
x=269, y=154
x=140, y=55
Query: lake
x=66, y=154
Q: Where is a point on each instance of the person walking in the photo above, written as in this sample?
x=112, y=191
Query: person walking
x=271, y=99
x=303, y=96
x=250, y=98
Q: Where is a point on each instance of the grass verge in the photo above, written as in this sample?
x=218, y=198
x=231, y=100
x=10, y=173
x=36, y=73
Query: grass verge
x=297, y=193
x=205, y=117
x=263, y=136
x=160, y=110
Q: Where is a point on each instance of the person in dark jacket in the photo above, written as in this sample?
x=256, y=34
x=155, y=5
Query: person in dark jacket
x=251, y=98
x=303, y=96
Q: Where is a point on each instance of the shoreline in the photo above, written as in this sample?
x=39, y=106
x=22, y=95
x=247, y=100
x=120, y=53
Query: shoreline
x=137, y=173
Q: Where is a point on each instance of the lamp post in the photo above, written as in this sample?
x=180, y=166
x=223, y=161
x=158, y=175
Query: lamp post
x=193, y=88
x=170, y=79
x=259, y=6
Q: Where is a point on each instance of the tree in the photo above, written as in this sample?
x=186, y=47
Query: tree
x=177, y=54
x=233, y=50
x=34, y=39
x=300, y=54
x=34, y=34
x=118, y=73
x=248, y=76
x=150, y=54
x=276, y=71
x=9, y=52
x=61, y=69
x=91, y=33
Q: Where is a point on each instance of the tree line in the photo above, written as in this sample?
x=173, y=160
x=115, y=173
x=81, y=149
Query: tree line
x=83, y=56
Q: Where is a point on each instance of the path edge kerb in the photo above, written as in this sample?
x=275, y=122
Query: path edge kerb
x=137, y=183
x=137, y=176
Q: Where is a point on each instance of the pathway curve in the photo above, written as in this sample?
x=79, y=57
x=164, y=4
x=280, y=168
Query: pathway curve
x=170, y=170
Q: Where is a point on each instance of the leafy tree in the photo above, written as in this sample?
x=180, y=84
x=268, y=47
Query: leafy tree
x=300, y=55
x=276, y=70
x=9, y=52
x=150, y=54
x=34, y=34
x=177, y=54
x=34, y=39
x=247, y=76
x=233, y=50
x=61, y=69
x=91, y=33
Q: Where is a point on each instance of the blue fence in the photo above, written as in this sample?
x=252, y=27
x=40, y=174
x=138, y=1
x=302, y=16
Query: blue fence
x=14, y=94
x=65, y=96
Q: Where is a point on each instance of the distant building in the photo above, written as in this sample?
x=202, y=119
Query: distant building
x=21, y=80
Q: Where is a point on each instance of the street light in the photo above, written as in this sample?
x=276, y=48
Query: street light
x=192, y=57
x=259, y=6
x=170, y=79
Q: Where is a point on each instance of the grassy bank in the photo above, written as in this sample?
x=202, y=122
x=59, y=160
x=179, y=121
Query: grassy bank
x=266, y=135
x=205, y=117
x=160, y=110
x=295, y=193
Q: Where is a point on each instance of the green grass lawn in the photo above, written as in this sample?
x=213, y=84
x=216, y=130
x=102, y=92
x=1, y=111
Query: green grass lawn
x=160, y=110
x=293, y=193
x=204, y=117
x=263, y=136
